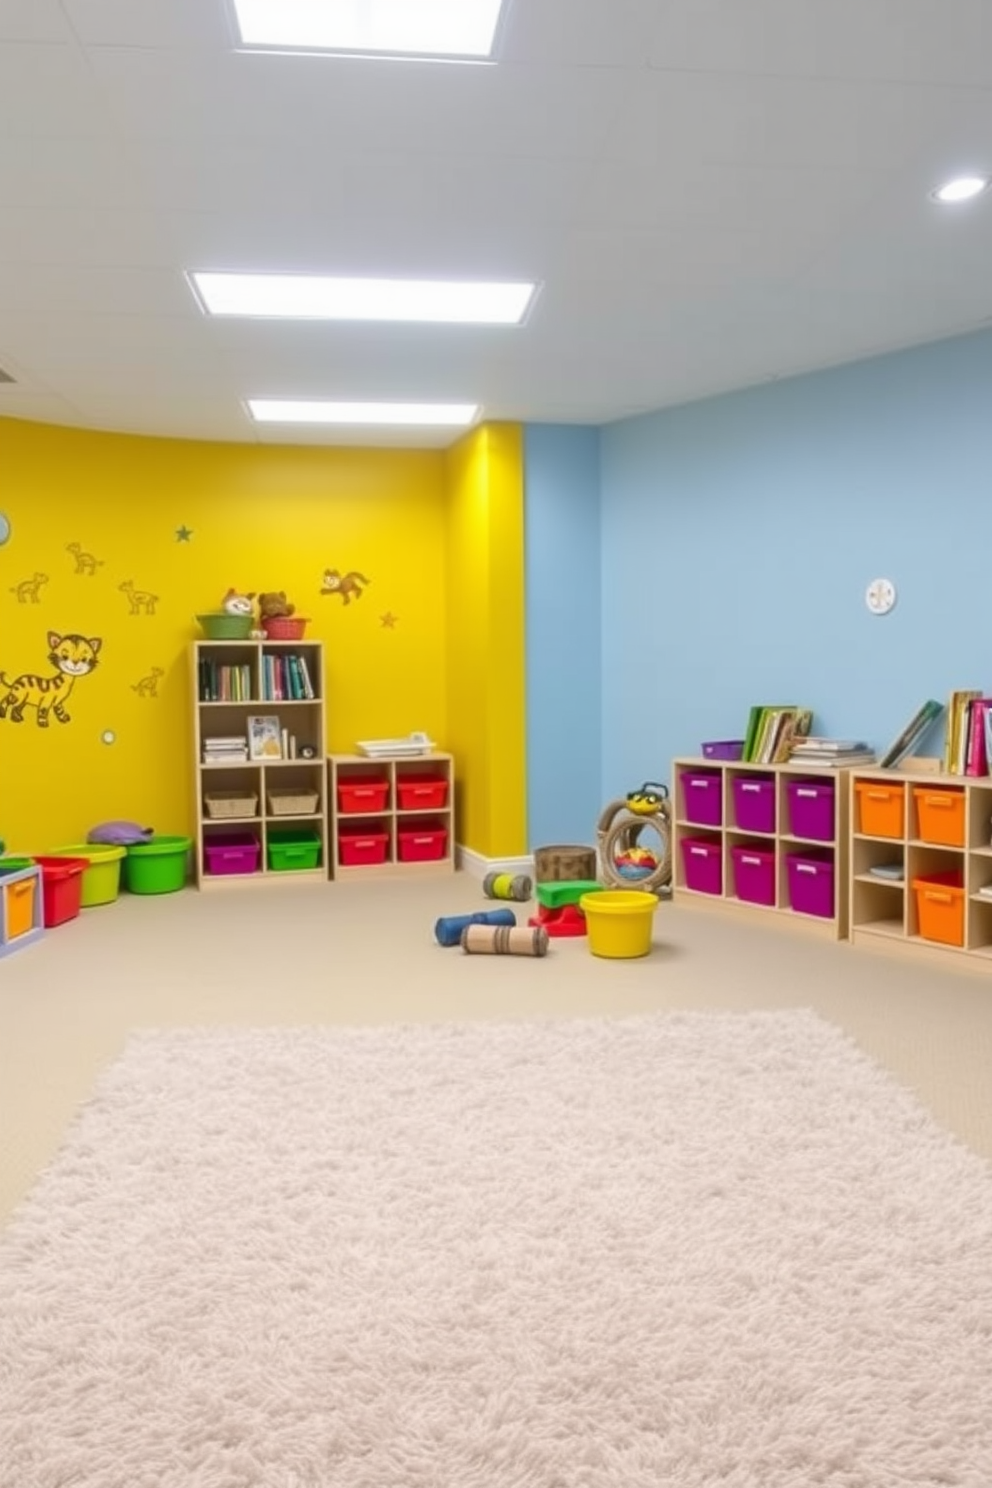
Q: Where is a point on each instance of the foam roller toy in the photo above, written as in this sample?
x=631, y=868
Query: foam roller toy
x=506, y=886
x=448, y=930
x=502, y=940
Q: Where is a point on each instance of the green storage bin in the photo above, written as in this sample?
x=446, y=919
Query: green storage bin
x=102, y=879
x=292, y=849
x=224, y=627
x=158, y=866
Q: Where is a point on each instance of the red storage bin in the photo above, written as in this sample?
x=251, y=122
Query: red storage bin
x=61, y=888
x=422, y=793
x=424, y=844
x=231, y=852
x=703, y=865
x=754, y=874
x=361, y=847
x=362, y=795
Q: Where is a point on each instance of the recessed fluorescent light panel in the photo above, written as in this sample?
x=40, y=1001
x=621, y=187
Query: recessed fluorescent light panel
x=410, y=28
x=425, y=415
x=300, y=296
x=961, y=189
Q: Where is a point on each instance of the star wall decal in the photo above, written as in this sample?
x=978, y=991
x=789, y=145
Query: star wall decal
x=183, y=534
x=388, y=620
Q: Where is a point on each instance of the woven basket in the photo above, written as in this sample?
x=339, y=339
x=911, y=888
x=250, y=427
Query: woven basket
x=230, y=804
x=284, y=627
x=293, y=803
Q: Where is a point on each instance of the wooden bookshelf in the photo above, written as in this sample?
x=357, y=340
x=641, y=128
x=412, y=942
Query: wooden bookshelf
x=391, y=817
x=769, y=851
x=885, y=913
x=260, y=789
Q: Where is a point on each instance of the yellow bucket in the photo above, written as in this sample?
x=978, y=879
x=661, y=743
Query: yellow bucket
x=619, y=922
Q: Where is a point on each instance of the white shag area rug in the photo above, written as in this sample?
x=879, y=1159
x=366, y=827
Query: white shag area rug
x=695, y=1250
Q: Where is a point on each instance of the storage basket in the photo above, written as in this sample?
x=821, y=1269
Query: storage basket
x=702, y=864
x=702, y=792
x=293, y=802
x=940, y=906
x=230, y=804
x=754, y=874
x=723, y=749
x=881, y=808
x=754, y=802
x=811, y=809
x=811, y=883
x=362, y=794
x=224, y=627
x=293, y=851
x=284, y=627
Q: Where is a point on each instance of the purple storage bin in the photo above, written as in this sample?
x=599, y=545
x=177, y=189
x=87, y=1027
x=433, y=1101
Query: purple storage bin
x=754, y=802
x=811, y=883
x=231, y=852
x=754, y=874
x=703, y=867
x=702, y=792
x=811, y=809
x=724, y=749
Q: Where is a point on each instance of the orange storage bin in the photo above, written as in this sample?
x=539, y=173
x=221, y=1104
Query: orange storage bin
x=20, y=895
x=362, y=795
x=881, y=808
x=422, y=793
x=940, y=907
x=940, y=815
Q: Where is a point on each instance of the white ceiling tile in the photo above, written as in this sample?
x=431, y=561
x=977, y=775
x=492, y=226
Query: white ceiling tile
x=926, y=41
x=579, y=33
x=66, y=171
x=80, y=235
x=169, y=24
x=33, y=20
x=48, y=91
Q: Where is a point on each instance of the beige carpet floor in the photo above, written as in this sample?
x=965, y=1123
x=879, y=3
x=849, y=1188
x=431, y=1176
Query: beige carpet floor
x=690, y=1249
x=364, y=954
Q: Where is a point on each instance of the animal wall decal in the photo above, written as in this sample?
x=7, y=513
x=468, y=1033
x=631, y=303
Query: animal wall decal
x=28, y=591
x=147, y=687
x=72, y=656
x=140, y=601
x=349, y=585
x=85, y=562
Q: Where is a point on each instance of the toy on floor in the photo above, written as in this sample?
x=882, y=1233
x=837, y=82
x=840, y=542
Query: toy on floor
x=625, y=859
x=507, y=886
x=564, y=864
x=560, y=912
x=448, y=929
x=504, y=940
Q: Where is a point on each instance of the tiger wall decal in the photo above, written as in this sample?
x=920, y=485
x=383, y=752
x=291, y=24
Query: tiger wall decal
x=72, y=656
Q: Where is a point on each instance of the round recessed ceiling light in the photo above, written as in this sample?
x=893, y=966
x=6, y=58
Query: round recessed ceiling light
x=962, y=188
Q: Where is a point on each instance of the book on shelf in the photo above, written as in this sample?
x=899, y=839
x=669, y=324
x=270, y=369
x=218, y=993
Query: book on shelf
x=286, y=678
x=968, y=745
x=839, y=753
x=265, y=737
x=771, y=731
x=912, y=734
x=219, y=682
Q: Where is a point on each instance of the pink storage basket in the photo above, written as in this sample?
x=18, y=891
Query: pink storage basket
x=285, y=627
x=754, y=874
x=703, y=865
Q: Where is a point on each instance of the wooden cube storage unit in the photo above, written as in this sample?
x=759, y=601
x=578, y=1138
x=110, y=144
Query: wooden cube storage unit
x=768, y=840
x=247, y=809
x=391, y=816
x=944, y=850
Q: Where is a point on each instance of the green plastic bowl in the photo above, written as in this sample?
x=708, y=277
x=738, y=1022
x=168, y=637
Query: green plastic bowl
x=158, y=866
x=102, y=879
x=224, y=627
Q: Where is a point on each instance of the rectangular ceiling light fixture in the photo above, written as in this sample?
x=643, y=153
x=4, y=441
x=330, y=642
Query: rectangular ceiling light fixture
x=306, y=297
x=396, y=28
x=301, y=411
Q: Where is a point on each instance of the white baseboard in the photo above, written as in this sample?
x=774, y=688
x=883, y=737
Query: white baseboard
x=474, y=863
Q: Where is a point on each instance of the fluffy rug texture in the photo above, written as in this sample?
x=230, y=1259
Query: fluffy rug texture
x=691, y=1250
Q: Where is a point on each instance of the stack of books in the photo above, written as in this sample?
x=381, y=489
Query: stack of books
x=227, y=749
x=841, y=753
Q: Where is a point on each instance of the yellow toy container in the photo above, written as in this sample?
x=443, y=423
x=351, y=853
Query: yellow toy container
x=619, y=922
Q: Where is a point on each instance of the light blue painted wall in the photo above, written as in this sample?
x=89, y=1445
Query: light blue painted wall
x=564, y=633
x=739, y=534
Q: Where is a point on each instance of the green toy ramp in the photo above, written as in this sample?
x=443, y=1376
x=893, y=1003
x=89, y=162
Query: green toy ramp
x=567, y=891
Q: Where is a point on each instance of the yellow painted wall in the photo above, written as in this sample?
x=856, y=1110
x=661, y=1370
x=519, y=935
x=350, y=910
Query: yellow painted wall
x=486, y=658
x=260, y=518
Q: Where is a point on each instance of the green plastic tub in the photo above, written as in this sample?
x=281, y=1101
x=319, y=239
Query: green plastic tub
x=223, y=627
x=102, y=879
x=157, y=866
x=292, y=849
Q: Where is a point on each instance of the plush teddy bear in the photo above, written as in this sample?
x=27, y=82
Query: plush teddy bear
x=272, y=604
